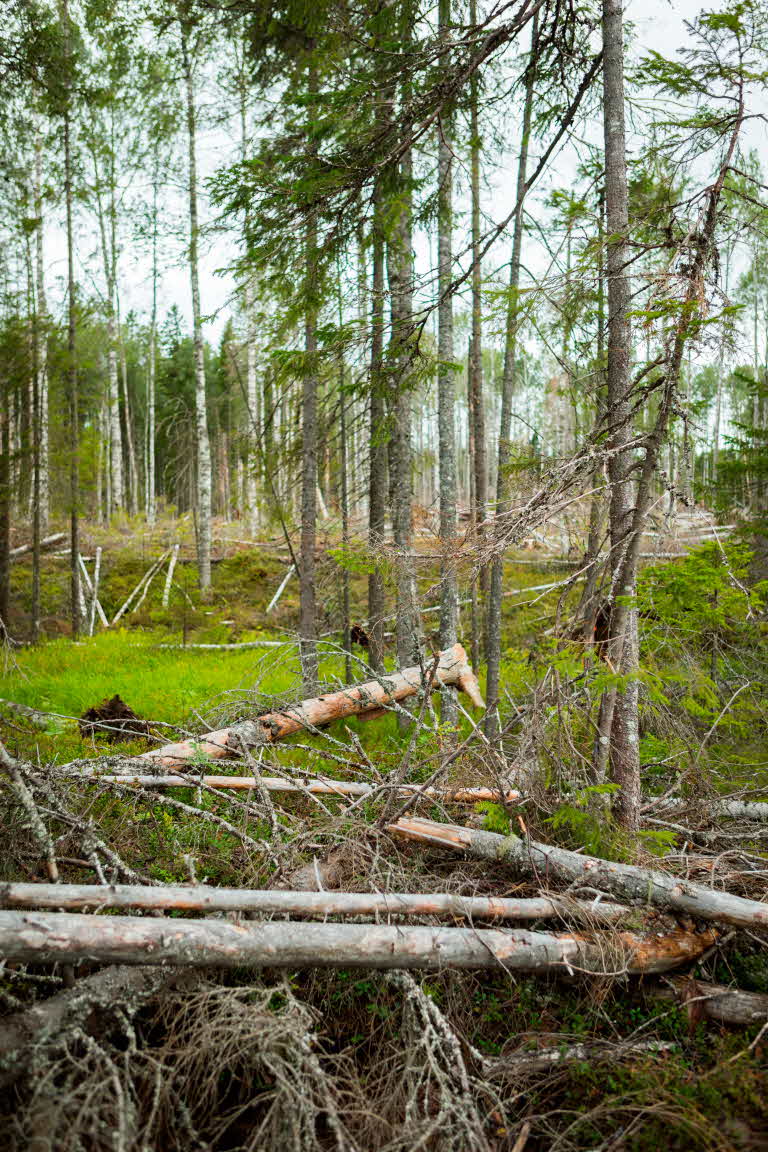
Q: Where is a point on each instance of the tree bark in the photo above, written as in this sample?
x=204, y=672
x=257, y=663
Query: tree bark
x=43, y=500
x=71, y=375
x=641, y=885
x=623, y=646
x=377, y=482
x=509, y=383
x=309, y=476
x=66, y=937
x=446, y=390
x=203, y=523
x=150, y=499
x=476, y=413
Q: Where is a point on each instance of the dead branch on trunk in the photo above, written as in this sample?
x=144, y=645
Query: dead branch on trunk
x=639, y=885
x=47, y=938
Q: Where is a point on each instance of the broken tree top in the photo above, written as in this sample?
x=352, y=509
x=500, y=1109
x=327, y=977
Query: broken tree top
x=451, y=668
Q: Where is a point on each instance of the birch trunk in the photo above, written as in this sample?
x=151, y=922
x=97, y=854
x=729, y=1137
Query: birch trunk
x=203, y=446
x=509, y=384
x=446, y=389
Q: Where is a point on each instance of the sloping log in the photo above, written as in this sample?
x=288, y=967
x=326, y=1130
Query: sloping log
x=316, y=787
x=202, y=898
x=639, y=885
x=46, y=542
x=65, y=937
x=716, y=1002
x=452, y=668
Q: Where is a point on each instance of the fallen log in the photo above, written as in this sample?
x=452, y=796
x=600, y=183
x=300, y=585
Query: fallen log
x=452, y=668
x=202, y=898
x=630, y=882
x=716, y=1002
x=544, y=1059
x=69, y=937
x=316, y=787
x=753, y=810
x=46, y=542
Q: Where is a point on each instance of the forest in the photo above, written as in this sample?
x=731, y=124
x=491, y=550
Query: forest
x=384, y=575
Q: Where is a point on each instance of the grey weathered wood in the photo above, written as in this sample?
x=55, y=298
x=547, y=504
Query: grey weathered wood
x=628, y=881
x=64, y=937
x=203, y=898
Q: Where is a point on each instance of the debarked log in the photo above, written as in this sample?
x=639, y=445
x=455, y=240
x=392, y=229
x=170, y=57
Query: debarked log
x=204, y=898
x=452, y=668
x=321, y=787
x=628, y=881
x=69, y=937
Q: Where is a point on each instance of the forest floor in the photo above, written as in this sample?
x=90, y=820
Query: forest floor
x=350, y=1059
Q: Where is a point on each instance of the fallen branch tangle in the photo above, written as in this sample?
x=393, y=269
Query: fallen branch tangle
x=639, y=885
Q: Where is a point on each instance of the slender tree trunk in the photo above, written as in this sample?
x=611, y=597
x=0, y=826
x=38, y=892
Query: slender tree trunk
x=72, y=392
x=446, y=391
x=149, y=483
x=344, y=465
x=476, y=414
x=5, y=512
x=400, y=270
x=203, y=521
x=377, y=486
x=43, y=498
x=623, y=646
x=309, y=446
x=596, y=501
x=509, y=383
x=133, y=473
x=251, y=383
